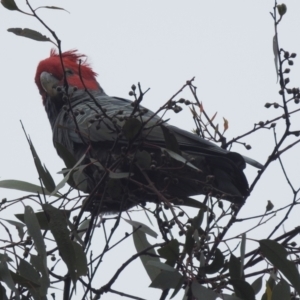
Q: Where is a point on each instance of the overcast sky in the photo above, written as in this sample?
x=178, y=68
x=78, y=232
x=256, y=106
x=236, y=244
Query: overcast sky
x=226, y=45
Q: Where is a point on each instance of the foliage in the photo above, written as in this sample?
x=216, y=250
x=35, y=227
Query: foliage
x=198, y=259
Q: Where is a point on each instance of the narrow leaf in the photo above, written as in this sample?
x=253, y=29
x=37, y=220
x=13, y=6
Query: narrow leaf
x=3, y=295
x=120, y=175
x=42, y=170
x=34, y=230
x=30, y=34
x=213, y=117
x=170, y=140
x=161, y=266
x=44, y=281
x=80, y=179
x=243, y=249
x=179, y=158
x=281, y=291
x=61, y=234
x=275, y=51
x=66, y=178
x=143, y=159
x=53, y=7
x=234, y=267
x=166, y=280
x=141, y=243
x=81, y=261
x=142, y=227
x=6, y=277
x=257, y=284
x=131, y=128
x=66, y=155
x=242, y=289
x=23, y=186
x=201, y=292
x=216, y=264
x=19, y=226
x=277, y=255
x=170, y=252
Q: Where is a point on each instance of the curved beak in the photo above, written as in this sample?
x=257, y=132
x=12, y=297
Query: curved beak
x=49, y=83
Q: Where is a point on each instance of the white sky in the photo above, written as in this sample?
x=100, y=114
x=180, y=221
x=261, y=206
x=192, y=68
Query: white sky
x=227, y=45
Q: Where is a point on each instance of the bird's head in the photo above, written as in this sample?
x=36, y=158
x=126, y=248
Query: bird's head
x=50, y=74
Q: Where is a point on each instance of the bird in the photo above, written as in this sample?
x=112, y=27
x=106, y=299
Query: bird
x=123, y=154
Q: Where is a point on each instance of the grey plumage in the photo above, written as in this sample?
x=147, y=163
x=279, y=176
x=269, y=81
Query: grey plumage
x=220, y=172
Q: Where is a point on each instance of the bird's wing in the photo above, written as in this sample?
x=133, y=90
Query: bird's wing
x=95, y=127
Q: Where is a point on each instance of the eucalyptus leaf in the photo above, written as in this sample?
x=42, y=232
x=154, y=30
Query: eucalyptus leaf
x=30, y=34
x=277, y=255
x=131, y=128
x=142, y=227
x=179, y=158
x=24, y=186
x=141, y=243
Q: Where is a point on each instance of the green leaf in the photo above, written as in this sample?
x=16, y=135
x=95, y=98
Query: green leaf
x=178, y=287
x=281, y=291
x=61, y=234
x=24, y=186
x=189, y=241
x=234, y=267
x=166, y=280
x=142, y=227
x=10, y=4
x=6, y=277
x=42, y=218
x=66, y=178
x=19, y=226
x=81, y=261
x=190, y=202
x=34, y=230
x=170, y=252
x=179, y=158
x=277, y=254
x=275, y=51
x=216, y=264
x=44, y=281
x=42, y=170
x=197, y=221
x=5, y=257
x=170, y=140
x=120, y=175
x=23, y=281
x=143, y=159
x=281, y=9
x=243, y=249
x=161, y=266
x=2, y=292
x=26, y=270
x=131, y=128
x=80, y=179
x=30, y=34
x=242, y=289
x=96, y=163
x=66, y=155
x=83, y=227
x=53, y=7
x=141, y=243
x=257, y=284
x=201, y=292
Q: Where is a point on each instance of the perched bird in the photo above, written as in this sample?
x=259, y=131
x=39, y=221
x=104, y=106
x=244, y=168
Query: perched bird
x=129, y=155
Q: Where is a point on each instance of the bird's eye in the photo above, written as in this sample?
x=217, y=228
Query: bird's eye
x=68, y=71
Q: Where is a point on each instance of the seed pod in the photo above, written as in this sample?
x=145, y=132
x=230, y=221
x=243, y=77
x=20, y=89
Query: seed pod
x=281, y=9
